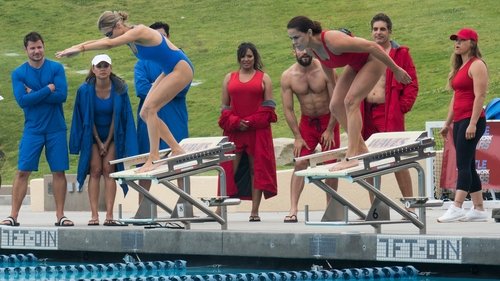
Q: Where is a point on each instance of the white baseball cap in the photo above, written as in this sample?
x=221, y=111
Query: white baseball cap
x=100, y=58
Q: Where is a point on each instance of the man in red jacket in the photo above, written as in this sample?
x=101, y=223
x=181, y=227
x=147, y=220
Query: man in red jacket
x=386, y=105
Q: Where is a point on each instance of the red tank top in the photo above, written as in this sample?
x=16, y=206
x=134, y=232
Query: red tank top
x=246, y=97
x=463, y=85
x=355, y=60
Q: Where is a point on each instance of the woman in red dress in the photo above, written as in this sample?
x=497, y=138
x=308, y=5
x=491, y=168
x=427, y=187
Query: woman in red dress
x=246, y=117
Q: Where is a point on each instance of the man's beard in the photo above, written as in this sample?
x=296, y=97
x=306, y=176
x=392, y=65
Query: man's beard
x=303, y=62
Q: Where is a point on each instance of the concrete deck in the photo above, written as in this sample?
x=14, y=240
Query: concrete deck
x=451, y=243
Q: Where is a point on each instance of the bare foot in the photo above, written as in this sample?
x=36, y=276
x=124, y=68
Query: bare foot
x=344, y=164
x=176, y=152
x=148, y=166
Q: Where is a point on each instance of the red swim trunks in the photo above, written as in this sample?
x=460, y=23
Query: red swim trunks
x=311, y=129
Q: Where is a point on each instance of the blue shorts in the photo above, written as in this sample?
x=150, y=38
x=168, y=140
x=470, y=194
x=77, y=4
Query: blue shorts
x=56, y=151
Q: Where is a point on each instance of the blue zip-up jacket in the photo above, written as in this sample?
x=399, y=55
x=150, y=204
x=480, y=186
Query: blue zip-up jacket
x=81, y=137
x=174, y=113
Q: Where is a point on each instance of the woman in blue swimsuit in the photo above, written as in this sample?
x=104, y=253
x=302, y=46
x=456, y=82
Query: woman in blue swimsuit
x=147, y=44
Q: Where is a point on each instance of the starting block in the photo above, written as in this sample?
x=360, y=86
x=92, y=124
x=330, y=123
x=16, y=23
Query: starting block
x=202, y=155
x=388, y=153
x=220, y=201
x=420, y=202
x=495, y=213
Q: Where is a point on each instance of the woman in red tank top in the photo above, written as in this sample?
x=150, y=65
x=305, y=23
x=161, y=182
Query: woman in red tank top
x=246, y=117
x=364, y=63
x=469, y=80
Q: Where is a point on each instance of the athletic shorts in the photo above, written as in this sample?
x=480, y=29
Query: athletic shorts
x=376, y=122
x=311, y=129
x=56, y=151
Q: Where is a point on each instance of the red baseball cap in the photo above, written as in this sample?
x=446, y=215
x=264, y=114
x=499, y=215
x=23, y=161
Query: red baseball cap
x=465, y=34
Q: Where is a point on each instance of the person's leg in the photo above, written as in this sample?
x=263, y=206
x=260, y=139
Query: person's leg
x=59, y=186
x=146, y=184
x=337, y=107
x=337, y=103
x=310, y=129
x=296, y=187
x=363, y=83
x=477, y=200
x=56, y=152
x=403, y=179
x=463, y=157
x=93, y=186
x=476, y=192
x=166, y=89
x=465, y=151
x=334, y=184
x=109, y=182
x=30, y=149
x=256, y=193
x=19, y=190
x=143, y=142
x=464, y=179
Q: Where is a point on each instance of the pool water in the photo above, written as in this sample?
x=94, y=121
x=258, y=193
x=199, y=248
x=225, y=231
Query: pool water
x=21, y=267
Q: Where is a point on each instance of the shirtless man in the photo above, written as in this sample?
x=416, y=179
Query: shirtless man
x=308, y=82
x=388, y=102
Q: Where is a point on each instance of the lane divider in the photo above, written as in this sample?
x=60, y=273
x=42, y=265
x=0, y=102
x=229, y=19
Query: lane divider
x=175, y=271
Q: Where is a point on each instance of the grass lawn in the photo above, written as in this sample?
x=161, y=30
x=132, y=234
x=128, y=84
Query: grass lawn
x=209, y=32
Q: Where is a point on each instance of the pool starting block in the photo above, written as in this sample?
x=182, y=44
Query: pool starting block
x=388, y=153
x=202, y=155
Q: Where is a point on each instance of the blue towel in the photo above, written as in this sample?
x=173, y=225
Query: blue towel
x=492, y=110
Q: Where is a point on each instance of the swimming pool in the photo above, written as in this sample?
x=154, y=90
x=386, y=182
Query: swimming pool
x=29, y=267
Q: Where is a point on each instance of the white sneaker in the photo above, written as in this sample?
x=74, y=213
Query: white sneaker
x=475, y=215
x=452, y=214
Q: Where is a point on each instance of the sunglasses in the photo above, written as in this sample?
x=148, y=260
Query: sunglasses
x=102, y=65
x=110, y=33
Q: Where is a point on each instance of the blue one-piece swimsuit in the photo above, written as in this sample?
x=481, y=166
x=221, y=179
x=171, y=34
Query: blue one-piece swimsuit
x=162, y=55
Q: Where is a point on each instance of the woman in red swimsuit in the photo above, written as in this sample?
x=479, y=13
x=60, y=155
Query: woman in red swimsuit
x=363, y=61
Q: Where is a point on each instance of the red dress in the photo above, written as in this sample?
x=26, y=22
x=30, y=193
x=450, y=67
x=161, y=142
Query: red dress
x=246, y=99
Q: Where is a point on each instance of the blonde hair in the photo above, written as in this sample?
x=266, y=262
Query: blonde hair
x=109, y=19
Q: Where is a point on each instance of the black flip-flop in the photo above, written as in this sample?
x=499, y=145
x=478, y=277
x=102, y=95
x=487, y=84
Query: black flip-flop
x=114, y=223
x=10, y=221
x=290, y=219
x=254, y=219
x=64, y=221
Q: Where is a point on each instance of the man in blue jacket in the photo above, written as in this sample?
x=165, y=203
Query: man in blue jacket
x=40, y=89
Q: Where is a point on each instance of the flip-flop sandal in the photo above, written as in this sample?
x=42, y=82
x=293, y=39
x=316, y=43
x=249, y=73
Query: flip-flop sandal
x=64, y=221
x=93, y=222
x=114, y=223
x=254, y=219
x=290, y=219
x=9, y=221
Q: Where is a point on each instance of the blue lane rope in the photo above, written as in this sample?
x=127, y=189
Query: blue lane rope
x=379, y=273
x=170, y=270
x=91, y=271
x=15, y=259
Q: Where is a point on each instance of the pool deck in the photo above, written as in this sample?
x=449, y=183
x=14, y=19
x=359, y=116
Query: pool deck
x=474, y=243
